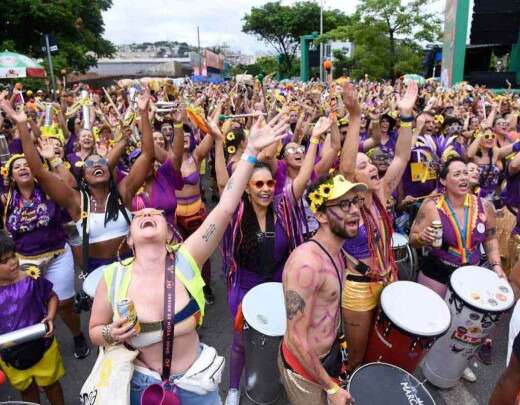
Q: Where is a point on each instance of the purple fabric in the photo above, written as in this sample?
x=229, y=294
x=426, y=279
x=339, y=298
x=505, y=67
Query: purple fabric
x=416, y=188
x=70, y=144
x=15, y=146
x=42, y=238
x=282, y=179
x=23, y=303
x=358, y=246
x=73, y=158
x=449, y=239
x=489, y=179
x=511, y=197
x=162, y=194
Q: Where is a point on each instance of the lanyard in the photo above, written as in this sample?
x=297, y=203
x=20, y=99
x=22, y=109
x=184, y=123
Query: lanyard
x=169, y=313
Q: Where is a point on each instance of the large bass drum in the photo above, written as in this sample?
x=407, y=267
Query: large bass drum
x=265, y=322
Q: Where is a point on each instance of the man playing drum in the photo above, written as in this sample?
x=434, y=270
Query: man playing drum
x=310, y=358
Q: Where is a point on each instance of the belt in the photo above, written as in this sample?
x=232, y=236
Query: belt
x=359, y=279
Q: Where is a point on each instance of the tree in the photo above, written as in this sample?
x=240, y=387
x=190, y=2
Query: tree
x=387, y=36
x=77, y=26
x=282, y=26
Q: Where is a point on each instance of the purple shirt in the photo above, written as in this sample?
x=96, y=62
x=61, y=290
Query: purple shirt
x=23, y=303
x=416, y=188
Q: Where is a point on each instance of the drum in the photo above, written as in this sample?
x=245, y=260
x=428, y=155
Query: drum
x=476, y=297
x=264, y=314
x=409, y=320
x=383, y=384
x=91, y=282
x=404, y=257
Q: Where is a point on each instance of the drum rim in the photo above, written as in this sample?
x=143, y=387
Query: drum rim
x=473, y=307
x=102, y=267
x=394, y=366
x=413, y=334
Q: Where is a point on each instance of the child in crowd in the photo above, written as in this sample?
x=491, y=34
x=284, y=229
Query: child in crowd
x=27, y=299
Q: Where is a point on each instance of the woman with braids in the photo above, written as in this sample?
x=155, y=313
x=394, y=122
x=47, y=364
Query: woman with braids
x=35, y=222
x=372, y=246
x=99, y=208
x=149, y=237
x=259, y=238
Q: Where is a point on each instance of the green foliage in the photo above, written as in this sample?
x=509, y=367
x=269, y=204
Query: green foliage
x=76, y=25
x=282, y=26
x=387, y=36
x=265, y=65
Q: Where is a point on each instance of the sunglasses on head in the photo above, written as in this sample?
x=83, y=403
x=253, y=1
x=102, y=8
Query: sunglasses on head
x=261, y=183
x=99, y=162
x=292, y=150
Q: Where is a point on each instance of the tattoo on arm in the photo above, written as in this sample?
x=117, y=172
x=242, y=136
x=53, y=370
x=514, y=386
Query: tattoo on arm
x=229, y=185
x=491, y=233
x=293, y=303
x=209, y=232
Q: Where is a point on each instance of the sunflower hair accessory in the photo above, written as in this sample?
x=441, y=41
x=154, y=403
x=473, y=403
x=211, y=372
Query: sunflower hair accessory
x=439, y=119
x=231, y=149
x=33, y=272
x=7, y=167
x=230, y=136
x=331, y=189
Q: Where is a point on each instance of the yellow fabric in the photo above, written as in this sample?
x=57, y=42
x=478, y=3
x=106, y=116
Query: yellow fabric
x=421, y=172
x=46, y=372
x=361, y=296
x=202, y=169
x=187, y=210
x=40, y=260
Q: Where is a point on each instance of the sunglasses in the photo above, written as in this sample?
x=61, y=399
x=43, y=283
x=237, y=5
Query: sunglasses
x=150, y=212
x=99, y=162
x=260, y=183
x=345, y=205
x=489, y=136
x=292, y=150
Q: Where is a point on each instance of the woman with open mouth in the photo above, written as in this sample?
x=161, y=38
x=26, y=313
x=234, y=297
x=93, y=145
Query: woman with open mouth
x=149, y=238
x=100, y=208
x=372, y=246
x=260, y=237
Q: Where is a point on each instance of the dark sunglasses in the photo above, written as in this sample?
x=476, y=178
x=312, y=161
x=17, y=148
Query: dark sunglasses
x=345, y=205
x=99, y=162
x=489, y=136
x=261, y=183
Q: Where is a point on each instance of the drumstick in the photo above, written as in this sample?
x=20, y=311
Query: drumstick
x=112, y=104
x=423, y=197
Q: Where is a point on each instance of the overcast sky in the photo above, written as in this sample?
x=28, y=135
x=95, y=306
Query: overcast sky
x=220, y=21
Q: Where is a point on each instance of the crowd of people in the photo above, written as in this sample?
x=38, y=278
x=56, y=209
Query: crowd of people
x=307, y=184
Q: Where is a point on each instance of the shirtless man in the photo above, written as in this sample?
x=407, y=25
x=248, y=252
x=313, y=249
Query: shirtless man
x=312, y=282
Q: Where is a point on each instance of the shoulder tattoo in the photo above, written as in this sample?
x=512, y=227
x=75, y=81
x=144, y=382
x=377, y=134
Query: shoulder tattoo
x=293, y=304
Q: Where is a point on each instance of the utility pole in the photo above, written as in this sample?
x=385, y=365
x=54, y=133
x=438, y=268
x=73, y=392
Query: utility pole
x=321, y=43
x=51, y=68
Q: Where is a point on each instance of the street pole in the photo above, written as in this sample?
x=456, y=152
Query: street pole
x=321, y=43
x=51, y=69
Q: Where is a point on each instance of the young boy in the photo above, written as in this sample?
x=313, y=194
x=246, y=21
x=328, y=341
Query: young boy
x=27, y=299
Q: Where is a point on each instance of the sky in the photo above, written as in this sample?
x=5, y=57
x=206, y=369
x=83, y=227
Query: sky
x=220, y=21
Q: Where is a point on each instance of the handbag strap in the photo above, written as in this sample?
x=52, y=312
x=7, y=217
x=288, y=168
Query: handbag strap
x=169, y=313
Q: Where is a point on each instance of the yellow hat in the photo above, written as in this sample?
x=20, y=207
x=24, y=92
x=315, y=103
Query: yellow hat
x=332, y=189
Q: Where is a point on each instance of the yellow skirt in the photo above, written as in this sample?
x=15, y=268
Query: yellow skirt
x=188, y=210
x=361, y=296
x=46, y=372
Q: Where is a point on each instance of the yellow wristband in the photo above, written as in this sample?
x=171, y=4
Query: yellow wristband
x=333, y=390
x=178, y=126
x=406, y=124
x=315, y=141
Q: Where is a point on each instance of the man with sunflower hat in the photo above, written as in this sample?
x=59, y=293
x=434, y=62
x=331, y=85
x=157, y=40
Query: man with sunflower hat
x=311, y=356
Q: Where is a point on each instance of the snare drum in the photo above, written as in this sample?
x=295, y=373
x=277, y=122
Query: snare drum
x=476, y=297
x=265, y=322
x=404, y=257
x=91, y=282
x=383, y=384
x=409, y=320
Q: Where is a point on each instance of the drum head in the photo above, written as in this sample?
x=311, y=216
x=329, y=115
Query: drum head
x=264, y=309
x=482, y=289
x=91, y=282
x=399, y=240
x=383, y=384
x=415, y=308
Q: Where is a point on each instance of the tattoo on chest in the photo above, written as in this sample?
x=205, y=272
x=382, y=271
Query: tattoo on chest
x=209, y=232
x=293, y=304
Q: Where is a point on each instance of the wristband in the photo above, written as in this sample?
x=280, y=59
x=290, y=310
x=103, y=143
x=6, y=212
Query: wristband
x=178, y=125
x=249, y=159
x=315, y=141
x=106, y=333
x=56, y=162
x=406, y=124
x=406, y=119
x=516, y=147
x=333, y=390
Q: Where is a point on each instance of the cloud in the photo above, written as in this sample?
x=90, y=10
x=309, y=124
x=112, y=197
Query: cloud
x=220, y=21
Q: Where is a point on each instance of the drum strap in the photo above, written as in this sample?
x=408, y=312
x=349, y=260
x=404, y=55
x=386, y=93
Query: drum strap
x=333, y=262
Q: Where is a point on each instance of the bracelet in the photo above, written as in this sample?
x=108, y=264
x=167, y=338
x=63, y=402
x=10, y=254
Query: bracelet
x=106, y=333
x=315, y=141
x=249, y=159
x=179, y=125
x=333, y=390
x=56, y=162
x=406, y=124
x=406, y=119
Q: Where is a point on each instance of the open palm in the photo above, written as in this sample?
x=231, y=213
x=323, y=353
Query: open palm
x=407, y=102
x=262, y=136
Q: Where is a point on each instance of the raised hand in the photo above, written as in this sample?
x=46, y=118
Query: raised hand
x=321, y=127
x=46, y=149
x=144, y=99
x=16, y=116
x=407, y=102
x=350, y=99
x=262, y=136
